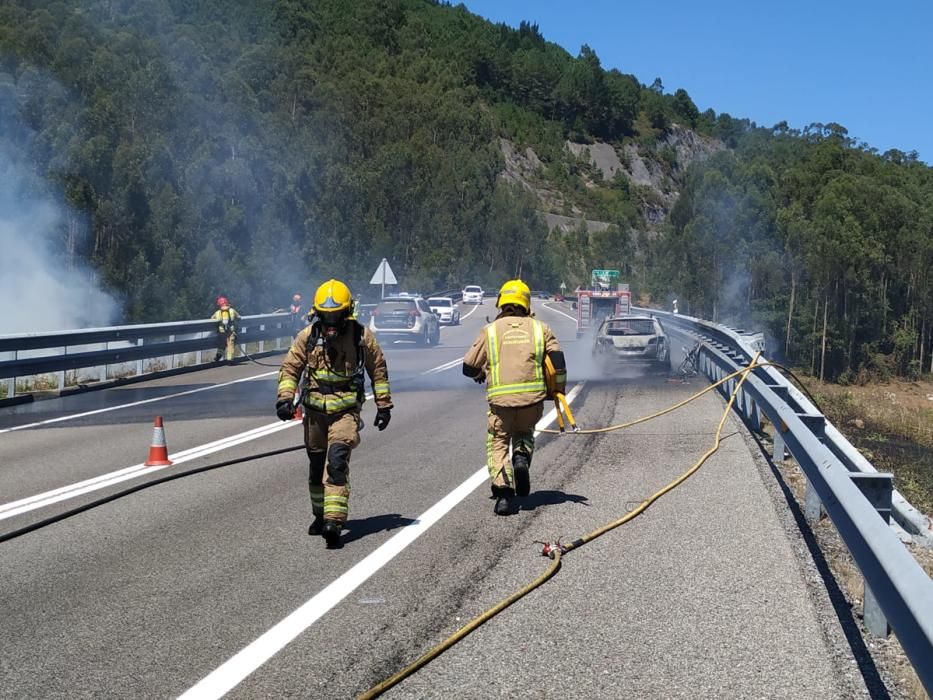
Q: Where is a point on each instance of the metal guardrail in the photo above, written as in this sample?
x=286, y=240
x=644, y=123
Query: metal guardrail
x=898, y=592
x=55, y=353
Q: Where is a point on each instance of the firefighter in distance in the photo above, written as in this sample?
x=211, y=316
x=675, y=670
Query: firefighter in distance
x=333, y=354
x=509, y=355
x=227, y=320
x=296, y=309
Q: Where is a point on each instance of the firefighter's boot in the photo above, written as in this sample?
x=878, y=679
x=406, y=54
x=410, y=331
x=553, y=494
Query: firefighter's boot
x=521, y=465
x=317, y=526
x=504, y=501
x=331, y=532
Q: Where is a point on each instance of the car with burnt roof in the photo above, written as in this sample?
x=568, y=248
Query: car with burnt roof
x=635, y=338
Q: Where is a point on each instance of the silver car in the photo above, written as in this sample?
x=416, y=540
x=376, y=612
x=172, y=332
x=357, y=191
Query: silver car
x=635, y=338
x=405, y=318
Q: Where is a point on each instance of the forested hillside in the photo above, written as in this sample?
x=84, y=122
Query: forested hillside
x=257, y=147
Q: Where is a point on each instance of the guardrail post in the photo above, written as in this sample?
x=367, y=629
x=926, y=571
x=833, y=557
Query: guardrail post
x=171, y=362
x=139, y=363
x=813, y=508
x=60, y=375
x=102, y=370
x=779, y=448
x=262, y=327
x=11, y=382
x=877, y=488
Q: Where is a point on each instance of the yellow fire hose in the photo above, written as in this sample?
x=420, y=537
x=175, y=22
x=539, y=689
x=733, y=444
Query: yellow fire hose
x=555, y=550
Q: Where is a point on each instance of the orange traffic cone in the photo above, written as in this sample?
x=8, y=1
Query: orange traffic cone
x=158, y=452
x=299, y=413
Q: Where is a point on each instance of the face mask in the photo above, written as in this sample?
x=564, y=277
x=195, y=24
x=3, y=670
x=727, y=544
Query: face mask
x=332, y=323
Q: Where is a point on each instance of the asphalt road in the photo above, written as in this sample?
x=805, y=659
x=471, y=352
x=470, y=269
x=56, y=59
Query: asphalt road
x=210, y=584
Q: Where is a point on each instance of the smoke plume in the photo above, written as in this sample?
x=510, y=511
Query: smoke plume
x=39, y=289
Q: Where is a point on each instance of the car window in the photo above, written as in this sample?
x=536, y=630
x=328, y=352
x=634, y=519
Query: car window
x=473, y=289
x=395, y=305
x=439, y=302
x=632, y=326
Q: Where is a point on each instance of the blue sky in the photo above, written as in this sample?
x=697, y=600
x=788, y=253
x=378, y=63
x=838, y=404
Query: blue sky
x=865, y=65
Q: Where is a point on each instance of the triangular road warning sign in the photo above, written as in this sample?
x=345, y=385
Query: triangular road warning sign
x=384, y=274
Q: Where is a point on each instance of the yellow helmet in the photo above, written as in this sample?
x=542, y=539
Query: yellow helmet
x=333, y=297
x=515, y=292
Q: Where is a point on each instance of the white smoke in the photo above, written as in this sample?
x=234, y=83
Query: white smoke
x=40, y=289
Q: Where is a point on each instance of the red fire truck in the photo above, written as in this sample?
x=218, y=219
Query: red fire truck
x=601, y=301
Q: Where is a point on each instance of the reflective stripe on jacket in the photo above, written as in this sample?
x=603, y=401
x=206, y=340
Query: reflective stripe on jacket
x=510, y=352
x=334, y=379
x=516, y=358
x=226, y=319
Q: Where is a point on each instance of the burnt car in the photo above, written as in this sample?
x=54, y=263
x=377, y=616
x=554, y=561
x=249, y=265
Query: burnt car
x=632, y=339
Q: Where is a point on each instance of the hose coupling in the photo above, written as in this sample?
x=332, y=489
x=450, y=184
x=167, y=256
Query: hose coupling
x=550, y=549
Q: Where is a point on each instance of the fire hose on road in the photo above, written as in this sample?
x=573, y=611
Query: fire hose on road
x=555, y=550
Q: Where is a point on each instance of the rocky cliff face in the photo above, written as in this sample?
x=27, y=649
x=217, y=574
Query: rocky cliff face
x=654, y=175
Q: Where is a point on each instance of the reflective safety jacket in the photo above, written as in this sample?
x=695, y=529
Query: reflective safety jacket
x=510, y=352
x=226, y=318
x=334, y=370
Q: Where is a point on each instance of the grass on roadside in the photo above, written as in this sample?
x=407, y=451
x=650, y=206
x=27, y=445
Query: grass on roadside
x=892, y=425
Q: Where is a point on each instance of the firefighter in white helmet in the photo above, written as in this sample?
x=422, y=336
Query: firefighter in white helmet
x=509, y=355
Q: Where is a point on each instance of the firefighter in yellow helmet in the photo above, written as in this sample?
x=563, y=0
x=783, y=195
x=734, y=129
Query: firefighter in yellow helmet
x=332, y=353
x=509, y=356
x=227, y=318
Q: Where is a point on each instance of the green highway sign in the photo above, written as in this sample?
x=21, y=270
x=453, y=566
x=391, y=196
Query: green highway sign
x=611, y=274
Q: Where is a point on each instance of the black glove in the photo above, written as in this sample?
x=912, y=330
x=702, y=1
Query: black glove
x=383, y=416
x=285, y=409
x=480, y=378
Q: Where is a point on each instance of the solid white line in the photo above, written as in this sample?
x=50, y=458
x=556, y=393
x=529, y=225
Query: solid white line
x=63, y=493
x=168, y=396
x=472, y=311
x=232, y=672
x=9, y=510
x=558, y=311
x=134, y=403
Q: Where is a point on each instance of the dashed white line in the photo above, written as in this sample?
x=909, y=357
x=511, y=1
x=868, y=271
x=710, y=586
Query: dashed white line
x=233, y=671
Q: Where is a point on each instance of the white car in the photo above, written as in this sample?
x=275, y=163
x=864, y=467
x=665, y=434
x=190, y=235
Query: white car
x=472, y=294
x=636, y=338
x=447, y=312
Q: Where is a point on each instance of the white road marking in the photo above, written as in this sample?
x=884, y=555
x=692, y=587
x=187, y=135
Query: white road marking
x=24, y=505
x=233, y=671
x=558, y=311
x=73, y=416
x=64, y=493
x=472, y=311
x=135, y=403
x=443, y=367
